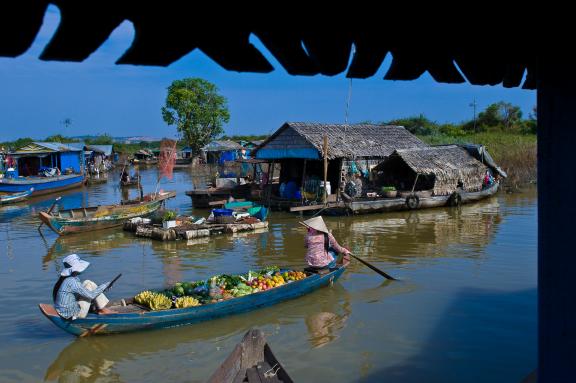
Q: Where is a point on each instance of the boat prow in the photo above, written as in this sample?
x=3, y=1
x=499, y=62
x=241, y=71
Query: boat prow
x=251, y=360
x=15, y=197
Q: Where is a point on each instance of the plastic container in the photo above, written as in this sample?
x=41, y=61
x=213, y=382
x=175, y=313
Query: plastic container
x=222, y=212
x=328, y=187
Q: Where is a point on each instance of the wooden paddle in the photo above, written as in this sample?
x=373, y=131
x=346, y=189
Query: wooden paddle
x=373, y=268
x=112, y=282
x=50, y=210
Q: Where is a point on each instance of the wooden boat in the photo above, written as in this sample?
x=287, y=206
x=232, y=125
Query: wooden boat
x=249, y=207
x=103, y=217
x=134, y=182
x=378, y=205
x=133, y=317
x=41, y=185
x=202, y=198
x=93, y=180
x=251, y=361
x=8, y=198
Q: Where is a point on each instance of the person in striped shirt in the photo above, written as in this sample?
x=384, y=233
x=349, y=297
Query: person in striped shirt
x=73, y=298
x=322, y=247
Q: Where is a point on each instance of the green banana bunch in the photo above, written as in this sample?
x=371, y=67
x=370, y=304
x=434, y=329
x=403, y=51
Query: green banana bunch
x=186, y=301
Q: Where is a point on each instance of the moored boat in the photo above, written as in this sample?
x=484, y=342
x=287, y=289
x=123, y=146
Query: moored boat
x=103, y=217
x=7, y=198
x=252, y=360
x=133, y=182
x=411, y=201
x=41, y=185
x=48, y=167
x=134, y=317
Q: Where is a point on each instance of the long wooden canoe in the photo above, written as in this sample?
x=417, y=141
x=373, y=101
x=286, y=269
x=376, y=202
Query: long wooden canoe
x=252, y=361
x=133, y=317
x=7, y=198
x=103, y=217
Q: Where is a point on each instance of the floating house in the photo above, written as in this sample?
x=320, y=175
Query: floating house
x=221, y=151
x=352, y=169
x=45, y=166
x=184, y=156
x=99, y=158
x=437, y=170
x=317, y=161
x=144, y=157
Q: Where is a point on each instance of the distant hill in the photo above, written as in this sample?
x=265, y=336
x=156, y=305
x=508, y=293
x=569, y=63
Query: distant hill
x=123, y=140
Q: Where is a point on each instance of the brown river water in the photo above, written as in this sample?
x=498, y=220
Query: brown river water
x=464, y=310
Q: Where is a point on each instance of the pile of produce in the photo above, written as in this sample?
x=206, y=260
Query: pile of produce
x=216, y=289
x=155, y=301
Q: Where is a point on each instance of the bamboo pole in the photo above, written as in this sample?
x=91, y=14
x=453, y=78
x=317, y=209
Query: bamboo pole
x=302, y=183
x=325, y=155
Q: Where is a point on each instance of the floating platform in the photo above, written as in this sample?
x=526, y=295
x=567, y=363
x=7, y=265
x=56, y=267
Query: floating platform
x=191, y=231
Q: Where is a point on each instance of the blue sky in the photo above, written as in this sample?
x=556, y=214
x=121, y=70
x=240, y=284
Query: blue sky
x=125, y=100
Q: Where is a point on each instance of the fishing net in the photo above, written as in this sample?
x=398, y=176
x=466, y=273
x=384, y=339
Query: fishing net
x=167, y=158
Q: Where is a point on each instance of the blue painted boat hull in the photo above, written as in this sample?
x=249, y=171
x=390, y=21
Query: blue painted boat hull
x=42, y=185
x=15, y=197
x=95, y=324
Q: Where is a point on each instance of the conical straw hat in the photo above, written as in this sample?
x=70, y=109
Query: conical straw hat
x=316, y=223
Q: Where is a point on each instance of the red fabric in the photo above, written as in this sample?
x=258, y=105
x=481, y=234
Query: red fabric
x=167, y=158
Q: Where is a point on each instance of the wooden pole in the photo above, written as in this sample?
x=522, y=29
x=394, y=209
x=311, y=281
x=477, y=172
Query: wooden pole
x=325, y=155
x=302, y=183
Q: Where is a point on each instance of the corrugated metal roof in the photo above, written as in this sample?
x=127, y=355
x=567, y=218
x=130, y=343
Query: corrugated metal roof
x=46, y=147
x=105, y=149
x=222, y=145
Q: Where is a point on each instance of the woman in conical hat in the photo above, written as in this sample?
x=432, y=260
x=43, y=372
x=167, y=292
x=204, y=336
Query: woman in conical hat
x=321, y=244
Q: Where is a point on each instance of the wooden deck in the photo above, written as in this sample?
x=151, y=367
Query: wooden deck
x=191, y=231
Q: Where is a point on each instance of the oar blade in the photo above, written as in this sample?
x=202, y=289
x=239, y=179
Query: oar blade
x=374, y=268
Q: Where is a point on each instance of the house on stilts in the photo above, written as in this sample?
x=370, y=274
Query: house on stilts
x=364, y=168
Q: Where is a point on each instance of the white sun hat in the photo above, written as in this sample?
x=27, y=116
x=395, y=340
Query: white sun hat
x=316, y=223
x=73, y=263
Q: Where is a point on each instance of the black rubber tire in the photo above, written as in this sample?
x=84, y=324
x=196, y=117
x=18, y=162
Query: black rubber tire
x=455, y=199
x=412, y=201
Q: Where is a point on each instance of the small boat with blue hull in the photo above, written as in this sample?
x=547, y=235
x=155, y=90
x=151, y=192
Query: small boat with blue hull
x=8, y=198
x=133, y=317
x=102, y=217
x=41, y=185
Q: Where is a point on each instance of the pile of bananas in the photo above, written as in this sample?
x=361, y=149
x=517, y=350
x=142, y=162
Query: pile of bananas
x=153, y=300
x=183, y=302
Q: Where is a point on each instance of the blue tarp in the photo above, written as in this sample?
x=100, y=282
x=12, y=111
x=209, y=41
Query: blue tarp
x=70, y=160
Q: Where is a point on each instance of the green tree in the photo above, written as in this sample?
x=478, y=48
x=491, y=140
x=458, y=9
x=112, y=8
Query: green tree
x=101, y=139
x=60, y=138
x=511, y=115
x=489, y=119
x=420, y=124
x=197, y=110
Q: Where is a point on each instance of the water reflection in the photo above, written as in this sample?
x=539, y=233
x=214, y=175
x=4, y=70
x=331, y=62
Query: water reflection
x=328, y=320
x=400, y=237
x=100, y=358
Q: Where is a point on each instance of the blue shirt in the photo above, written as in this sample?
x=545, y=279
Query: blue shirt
x=70, y=292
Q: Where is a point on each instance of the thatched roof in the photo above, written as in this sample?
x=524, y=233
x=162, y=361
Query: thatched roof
x=316, y=45
x=306, y=140
x=449, y=164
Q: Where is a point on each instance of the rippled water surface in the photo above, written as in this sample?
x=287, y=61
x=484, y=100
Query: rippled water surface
x=464, y=310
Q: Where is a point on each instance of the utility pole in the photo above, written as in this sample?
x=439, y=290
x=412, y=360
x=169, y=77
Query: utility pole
x=473, y=105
